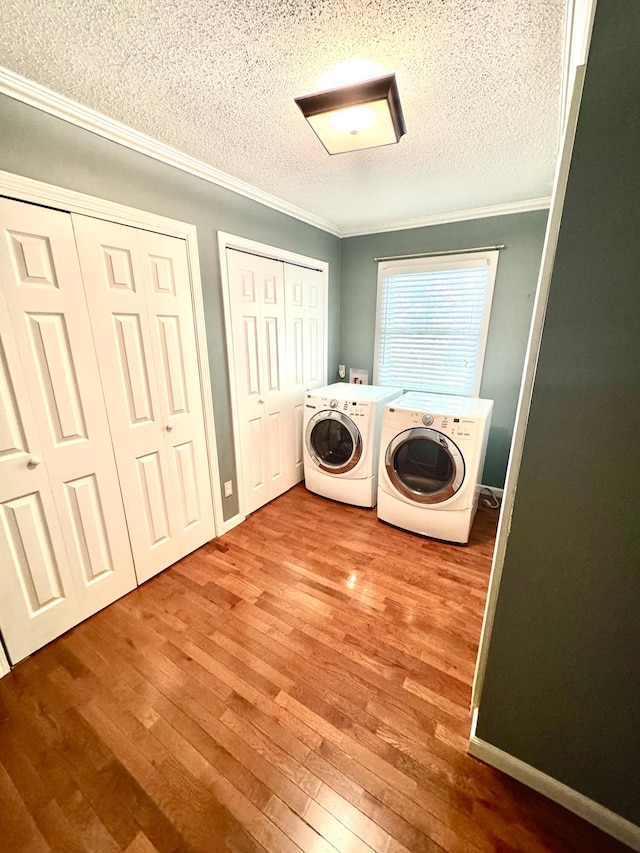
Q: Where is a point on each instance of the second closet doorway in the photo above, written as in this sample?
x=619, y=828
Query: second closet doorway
x=276, y=322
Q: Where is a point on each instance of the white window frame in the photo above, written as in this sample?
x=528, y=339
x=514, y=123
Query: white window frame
x=387, y=268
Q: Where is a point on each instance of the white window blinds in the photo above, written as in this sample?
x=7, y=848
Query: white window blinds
x=433, y=320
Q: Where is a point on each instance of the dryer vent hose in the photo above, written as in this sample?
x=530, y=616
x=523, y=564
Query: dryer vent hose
x=488, y=499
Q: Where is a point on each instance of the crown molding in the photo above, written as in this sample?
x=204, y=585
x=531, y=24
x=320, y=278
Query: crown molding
x=35, y=95
x=452, y=216
x=44, y=99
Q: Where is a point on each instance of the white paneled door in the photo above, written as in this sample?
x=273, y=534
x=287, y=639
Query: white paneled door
x=305, y=331
x=64, y=547
x=139, y=296
x=260, y=357
x=277, y=314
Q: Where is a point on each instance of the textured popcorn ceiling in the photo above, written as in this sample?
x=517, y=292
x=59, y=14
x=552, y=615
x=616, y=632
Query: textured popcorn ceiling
x=479, y=81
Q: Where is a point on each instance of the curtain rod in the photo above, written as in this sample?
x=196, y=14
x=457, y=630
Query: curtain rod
x=436, y=254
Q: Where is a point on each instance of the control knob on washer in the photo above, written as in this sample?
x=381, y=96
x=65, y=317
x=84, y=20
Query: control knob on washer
x=427, y=420
x=333, y=404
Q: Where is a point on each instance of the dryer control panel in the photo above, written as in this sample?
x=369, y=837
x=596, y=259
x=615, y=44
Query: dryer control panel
x=458, y=427
x=453, y=425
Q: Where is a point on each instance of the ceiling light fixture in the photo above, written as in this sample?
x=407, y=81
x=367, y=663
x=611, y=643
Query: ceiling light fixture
x=363, y=115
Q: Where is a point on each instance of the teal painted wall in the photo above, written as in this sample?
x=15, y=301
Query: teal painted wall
x=48, y=149
x=518, y=267
x=39, y=146
x=562, y=684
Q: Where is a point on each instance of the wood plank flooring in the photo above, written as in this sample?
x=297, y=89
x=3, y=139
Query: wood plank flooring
x=300, y=684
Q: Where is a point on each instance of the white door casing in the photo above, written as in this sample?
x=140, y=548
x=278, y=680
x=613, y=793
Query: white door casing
x=64, y=535
x=139, y=296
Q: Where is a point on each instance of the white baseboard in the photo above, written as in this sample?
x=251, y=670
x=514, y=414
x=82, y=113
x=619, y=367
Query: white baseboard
x=606, y=820
x=5, y=667
x=230, y=523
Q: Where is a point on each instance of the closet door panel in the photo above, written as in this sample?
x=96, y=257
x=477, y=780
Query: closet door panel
x=305, y=329
x=44, y=292
x=38, y=600
x=279, y=422
x=256, y=289
x=139, y=295
x=43, y=288
x=173, y=340
x=244, y=288
x=113, y=273
x=304, y=289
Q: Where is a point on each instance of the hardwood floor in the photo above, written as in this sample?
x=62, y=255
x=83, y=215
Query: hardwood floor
x=300, y=684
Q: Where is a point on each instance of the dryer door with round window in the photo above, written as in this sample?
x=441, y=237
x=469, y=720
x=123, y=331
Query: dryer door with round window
x=424, y=465
x=334, y=442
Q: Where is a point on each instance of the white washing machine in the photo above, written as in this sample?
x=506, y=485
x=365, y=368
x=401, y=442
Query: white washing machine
x=342, y=425
x=432, y=453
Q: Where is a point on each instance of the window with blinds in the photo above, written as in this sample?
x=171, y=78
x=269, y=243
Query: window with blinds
x=432, y=322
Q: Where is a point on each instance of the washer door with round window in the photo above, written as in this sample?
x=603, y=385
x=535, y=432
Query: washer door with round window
x=424, y=466
x=334, y=442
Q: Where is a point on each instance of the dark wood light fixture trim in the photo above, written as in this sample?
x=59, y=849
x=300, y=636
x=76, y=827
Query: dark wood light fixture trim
x=368, y=91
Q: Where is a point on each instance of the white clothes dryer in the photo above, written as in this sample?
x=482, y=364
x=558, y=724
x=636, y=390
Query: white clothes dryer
x=342, y=424
x=432, y=453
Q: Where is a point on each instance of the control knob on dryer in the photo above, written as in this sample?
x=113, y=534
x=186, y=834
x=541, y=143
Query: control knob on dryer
x=333, y=404
x=427, y=420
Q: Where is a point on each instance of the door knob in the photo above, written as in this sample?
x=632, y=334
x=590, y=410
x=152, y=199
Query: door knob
x=34, y=462
x=169, y=427
x=260, y=400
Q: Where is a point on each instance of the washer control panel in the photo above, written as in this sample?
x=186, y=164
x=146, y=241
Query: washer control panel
x=349, y=407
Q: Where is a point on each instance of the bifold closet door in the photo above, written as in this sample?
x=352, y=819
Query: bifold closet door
x=277, y=330
x=267, y=430
x=64, y=547
x=139, y=295
x=305, y=331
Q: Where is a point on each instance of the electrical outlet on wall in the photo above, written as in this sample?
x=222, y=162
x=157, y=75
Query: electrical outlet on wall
x=228, y=488
x=342, y=371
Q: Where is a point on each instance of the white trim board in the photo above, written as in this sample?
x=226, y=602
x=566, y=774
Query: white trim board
x=578, y=25
x=5, y=667
x=244, y=244
x=230, y=523
x=26, y=189
x=27, y=92
x=452, y=216
x=606, y=820
x=232, y=241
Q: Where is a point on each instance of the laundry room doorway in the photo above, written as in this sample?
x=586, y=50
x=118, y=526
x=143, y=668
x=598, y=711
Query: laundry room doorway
x=276, y=330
